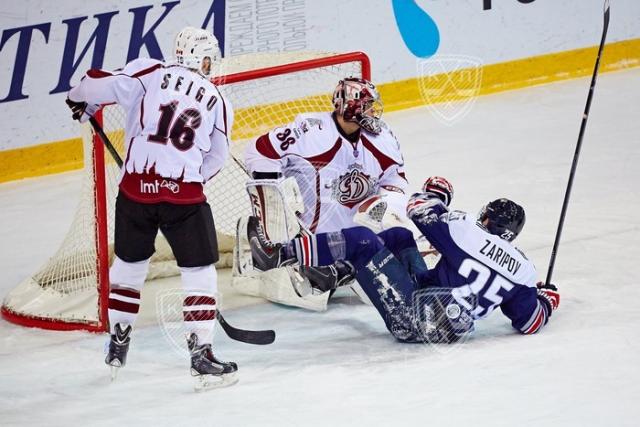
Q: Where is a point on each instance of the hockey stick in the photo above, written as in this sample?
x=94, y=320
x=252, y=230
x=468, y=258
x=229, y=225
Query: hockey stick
x=106, y=141
x=585, y=116
x=261, y=337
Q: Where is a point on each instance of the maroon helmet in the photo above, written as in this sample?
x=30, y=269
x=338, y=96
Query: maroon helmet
x=357, y=100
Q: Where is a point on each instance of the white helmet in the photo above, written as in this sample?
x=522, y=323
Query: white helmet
x=192, y=48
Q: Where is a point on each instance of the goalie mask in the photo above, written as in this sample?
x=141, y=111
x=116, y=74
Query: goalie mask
x=197, y=49
x=357, y=100
x=504, y=218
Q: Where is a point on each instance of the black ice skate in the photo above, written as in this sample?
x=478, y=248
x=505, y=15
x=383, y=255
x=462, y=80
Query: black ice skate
x=118, y=348
x=266, y=255
x=208, y=371
x=330, y=277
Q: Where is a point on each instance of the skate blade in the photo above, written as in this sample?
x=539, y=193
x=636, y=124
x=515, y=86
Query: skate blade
x=210, y=382
x=114, y=372
x=301, y=285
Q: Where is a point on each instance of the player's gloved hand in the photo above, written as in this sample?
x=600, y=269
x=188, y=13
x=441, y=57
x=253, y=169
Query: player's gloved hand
x=81, y=111
x=439, y=187
x=549, y=296
x=421, y=205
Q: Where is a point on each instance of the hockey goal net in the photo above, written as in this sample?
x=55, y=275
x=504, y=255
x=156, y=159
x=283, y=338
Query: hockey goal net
x=266, y=90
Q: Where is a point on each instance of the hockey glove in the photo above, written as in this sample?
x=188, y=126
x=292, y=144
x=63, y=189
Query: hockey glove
x=421, y=205
x=548, y=295
x=439, y=187
x=81, y=111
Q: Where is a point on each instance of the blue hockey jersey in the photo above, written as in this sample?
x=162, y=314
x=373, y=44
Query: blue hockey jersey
x=476, y=262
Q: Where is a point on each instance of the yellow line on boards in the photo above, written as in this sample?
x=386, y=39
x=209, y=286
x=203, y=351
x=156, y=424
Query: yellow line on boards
x=512, y=75
x=67, y=155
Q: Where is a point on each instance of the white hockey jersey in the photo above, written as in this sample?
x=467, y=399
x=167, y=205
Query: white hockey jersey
x=334, y=174
x=177, y=129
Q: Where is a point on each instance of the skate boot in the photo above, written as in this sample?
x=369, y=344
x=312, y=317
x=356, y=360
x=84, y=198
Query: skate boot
x=208, y=371
x=118, y=348
x=330, y=277
x=266, y=254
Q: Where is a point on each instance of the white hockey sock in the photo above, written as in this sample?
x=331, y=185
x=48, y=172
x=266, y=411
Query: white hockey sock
x=199, y=307
x=127, y=279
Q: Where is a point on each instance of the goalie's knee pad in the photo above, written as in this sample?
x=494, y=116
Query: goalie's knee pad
x=199, y=279
x=128, y=274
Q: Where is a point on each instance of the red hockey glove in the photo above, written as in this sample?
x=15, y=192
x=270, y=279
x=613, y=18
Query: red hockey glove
x=549, y=294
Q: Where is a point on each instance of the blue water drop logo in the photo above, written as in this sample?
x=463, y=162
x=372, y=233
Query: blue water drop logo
x=418, y=30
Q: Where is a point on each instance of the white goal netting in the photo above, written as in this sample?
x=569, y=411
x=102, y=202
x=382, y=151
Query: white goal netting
x=66, y=290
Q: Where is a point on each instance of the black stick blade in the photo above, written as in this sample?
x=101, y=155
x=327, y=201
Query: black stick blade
x=262, y=337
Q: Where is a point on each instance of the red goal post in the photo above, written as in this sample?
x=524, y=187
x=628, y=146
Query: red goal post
x=71, y=291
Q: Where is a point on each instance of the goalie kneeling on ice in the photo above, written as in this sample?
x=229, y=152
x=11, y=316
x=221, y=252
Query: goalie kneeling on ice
x=440, y=317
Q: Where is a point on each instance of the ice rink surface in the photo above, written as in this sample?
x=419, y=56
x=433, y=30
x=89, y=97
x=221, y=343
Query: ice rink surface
x=341, y=367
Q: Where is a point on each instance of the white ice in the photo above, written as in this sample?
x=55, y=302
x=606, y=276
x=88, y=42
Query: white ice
x=342, y=367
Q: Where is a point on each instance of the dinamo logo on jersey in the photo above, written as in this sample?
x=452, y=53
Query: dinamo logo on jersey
x=352, y=188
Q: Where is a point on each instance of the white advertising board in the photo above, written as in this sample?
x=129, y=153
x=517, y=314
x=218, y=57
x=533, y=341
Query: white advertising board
x=46, y=46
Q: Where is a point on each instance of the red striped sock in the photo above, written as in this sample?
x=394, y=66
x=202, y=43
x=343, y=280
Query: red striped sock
x=199, y=313
x=124, y=304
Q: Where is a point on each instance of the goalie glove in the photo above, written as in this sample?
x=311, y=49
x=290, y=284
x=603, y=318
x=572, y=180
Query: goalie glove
x=81, y=111
x=439, y=187
x=382, y=211
x=549, y=296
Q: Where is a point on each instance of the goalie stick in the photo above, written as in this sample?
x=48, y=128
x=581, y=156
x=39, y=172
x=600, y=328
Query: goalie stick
x=576, y=155
x=261, y=337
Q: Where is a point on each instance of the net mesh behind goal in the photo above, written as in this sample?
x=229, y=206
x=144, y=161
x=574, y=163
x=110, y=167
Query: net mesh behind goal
x=265, y=90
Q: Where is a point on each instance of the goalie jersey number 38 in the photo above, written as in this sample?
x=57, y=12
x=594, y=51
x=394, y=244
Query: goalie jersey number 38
x=335, y=172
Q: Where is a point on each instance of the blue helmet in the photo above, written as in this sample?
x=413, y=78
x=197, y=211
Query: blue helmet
x=505, y=218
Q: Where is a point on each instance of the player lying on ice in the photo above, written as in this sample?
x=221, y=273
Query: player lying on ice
x=479, y=270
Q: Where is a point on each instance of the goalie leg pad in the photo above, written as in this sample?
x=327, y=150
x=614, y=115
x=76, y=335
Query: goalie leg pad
x=277, y=203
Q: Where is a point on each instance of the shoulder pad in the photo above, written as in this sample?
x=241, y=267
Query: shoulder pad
x=139, y=64
x=387, y=143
